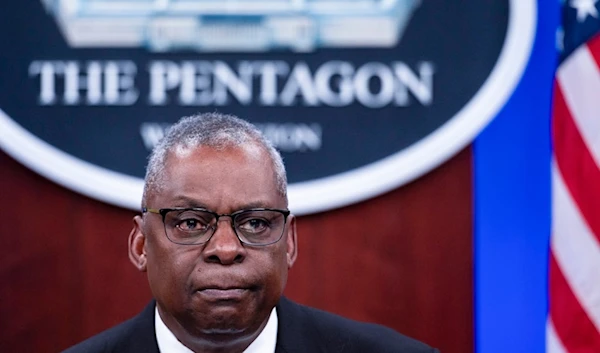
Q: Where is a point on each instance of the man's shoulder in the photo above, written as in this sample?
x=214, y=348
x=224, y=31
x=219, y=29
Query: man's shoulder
x=105, y=341
x=134, y=335
x=342, y=334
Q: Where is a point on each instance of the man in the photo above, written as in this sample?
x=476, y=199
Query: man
x=216, y=241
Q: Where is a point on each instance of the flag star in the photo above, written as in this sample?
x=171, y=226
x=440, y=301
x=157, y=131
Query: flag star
x=584, y=9
x=560, y=40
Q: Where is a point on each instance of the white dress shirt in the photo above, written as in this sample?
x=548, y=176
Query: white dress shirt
x=264, y=343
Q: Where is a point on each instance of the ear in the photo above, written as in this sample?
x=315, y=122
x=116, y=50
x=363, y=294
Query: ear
x=137, y=245
x=291, y=241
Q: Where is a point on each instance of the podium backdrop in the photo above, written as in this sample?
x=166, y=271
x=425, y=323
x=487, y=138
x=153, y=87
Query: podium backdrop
x=403, y=259
x=456, y=257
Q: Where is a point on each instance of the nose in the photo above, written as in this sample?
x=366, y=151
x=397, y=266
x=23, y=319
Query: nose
x=224, y=247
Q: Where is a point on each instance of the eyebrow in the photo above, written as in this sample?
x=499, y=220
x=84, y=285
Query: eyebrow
x=188, y=202
x=254, y=205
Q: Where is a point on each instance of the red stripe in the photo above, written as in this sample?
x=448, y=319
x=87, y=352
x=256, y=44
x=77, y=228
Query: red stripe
x=575, y=163
x=594, y=48
x=574, y=328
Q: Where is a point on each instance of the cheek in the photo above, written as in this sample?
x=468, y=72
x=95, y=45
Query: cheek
x=278, y=265
x=168, y=269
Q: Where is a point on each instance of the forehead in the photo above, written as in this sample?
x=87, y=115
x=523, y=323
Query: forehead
x=221, y=179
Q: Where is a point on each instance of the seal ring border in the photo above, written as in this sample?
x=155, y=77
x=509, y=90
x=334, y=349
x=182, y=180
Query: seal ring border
x=324, y=193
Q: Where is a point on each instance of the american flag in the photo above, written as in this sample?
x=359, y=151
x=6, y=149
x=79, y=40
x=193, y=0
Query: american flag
x=574, y=282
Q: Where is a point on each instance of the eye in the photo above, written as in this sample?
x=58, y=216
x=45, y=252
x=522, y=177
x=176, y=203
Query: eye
x=192, y=222
x=254, y=225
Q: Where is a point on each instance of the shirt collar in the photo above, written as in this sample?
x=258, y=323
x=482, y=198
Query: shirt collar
x=264, y=343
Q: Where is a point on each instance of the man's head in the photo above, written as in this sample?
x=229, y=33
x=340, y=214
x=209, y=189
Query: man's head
x=215, y=277
x=210, y=130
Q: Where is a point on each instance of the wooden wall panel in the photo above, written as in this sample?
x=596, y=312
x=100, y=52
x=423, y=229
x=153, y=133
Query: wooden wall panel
x=64, y=268
x=403, y=259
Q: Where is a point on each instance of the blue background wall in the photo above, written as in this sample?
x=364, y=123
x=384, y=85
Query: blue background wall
x=512, y=207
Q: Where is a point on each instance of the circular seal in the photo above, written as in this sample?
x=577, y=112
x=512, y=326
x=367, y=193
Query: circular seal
x=359, y=97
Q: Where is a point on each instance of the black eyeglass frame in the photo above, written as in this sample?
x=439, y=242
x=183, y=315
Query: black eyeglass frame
x=163, y=213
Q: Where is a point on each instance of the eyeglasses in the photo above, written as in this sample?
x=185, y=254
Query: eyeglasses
x=193, y=226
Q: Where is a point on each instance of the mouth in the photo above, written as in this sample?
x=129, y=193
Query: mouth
x=223, y=294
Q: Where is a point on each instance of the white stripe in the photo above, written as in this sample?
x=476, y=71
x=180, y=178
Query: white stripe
x=553, y=343
x=579, y=80
x=575, y=249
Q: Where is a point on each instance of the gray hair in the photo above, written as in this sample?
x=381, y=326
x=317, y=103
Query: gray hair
x=213, y=130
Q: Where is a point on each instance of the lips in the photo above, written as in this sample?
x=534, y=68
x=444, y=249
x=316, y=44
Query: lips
x=215, y=286
x=224, y=294
x=224, y=290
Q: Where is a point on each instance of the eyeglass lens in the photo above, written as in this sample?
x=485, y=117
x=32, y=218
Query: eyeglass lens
x=258, y=227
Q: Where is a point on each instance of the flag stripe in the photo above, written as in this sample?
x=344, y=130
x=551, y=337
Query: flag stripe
x=593, y=47
x=553, y=343
x=573, y=327
x=582, y=96
x=576, y=165
x=575, y=249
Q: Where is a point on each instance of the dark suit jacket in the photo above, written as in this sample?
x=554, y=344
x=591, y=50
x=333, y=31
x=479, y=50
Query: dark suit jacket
x=301, y=330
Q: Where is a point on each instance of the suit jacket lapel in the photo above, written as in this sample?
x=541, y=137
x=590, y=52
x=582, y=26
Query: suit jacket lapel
x=143, y=334
x=296, y=332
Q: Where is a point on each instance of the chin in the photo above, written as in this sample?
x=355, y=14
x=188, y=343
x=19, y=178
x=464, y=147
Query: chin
x=223, y=322
x=221, y=331
x=219, y=334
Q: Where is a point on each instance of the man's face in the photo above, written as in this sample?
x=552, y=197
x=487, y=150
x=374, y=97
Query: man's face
x=220, y=290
